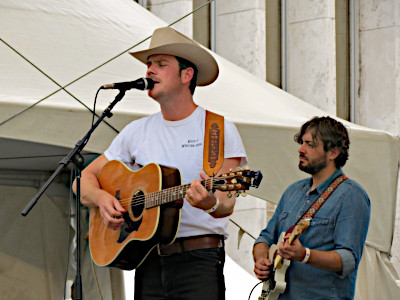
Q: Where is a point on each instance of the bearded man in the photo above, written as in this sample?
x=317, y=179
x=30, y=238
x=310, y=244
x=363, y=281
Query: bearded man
x=324, y=258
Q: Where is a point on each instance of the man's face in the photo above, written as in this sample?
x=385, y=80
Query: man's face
x=312, y=157
x=164, y=70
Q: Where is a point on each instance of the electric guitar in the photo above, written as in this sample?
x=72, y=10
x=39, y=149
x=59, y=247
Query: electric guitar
x=276, y=284
x=153, y=198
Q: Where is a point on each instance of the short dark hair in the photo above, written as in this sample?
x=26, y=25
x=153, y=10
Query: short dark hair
x=332, y=133
x=184, y=64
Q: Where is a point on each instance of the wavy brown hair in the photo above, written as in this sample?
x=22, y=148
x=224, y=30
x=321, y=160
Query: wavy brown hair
x=332, y=133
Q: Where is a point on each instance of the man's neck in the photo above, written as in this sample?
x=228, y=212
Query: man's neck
x=178, y=108
x=322, y=175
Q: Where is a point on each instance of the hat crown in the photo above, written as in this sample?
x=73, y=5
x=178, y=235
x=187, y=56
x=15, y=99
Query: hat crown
x=166, y=36
x=168, y=41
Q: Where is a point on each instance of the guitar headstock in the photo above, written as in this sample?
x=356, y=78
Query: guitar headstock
x=302, y=226
x=239, y=181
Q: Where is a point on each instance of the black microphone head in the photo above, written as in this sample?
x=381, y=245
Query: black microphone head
x=140, y=84
x=150, y=83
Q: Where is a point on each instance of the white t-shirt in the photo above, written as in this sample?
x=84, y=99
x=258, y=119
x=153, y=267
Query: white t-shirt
x=177, y=144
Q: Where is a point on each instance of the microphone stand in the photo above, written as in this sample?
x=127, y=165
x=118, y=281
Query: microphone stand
x=75, y=156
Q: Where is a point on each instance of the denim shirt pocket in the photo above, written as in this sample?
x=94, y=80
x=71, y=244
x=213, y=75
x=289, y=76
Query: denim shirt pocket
x=320, y=232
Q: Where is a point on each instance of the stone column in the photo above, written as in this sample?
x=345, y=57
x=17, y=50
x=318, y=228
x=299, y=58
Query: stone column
x=241, y=34
x=379, y=54
x=311, y=64
x=172, y=10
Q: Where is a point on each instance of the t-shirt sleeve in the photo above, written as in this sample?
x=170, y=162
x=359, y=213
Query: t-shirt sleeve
x=233, y=143
x=119, y=147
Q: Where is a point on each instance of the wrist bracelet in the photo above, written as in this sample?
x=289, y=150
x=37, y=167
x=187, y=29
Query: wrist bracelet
x=212, y=209
x=307, y=256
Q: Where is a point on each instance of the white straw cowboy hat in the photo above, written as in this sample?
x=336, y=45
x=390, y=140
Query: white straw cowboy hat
x=166, y=40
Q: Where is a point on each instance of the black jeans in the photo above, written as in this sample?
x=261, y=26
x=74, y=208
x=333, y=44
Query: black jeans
x=191, y=275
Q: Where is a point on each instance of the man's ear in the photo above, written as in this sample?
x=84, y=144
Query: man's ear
x=333, y=153
x=187, y=75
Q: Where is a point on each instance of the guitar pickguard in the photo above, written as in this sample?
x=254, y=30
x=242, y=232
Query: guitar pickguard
x=136, y=209
x=128, y=227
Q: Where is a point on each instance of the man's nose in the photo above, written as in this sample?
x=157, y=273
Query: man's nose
x=301, y=148
x=150, y=70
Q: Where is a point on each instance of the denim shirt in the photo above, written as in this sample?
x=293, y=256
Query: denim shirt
x=341, y=225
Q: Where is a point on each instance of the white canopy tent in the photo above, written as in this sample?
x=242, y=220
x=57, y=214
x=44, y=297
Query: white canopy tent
x=46, y=45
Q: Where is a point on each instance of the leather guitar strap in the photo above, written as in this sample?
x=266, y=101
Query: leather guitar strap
x=213, y=156
x=309, y=214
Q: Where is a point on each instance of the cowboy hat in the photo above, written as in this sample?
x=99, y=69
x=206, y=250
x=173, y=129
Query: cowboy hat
x=166, y=40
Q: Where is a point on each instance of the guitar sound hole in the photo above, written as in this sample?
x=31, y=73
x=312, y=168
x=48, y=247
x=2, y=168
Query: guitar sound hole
x=137, y=204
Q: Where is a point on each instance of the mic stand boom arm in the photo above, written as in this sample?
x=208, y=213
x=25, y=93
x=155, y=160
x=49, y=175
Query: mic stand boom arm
x=75, y=156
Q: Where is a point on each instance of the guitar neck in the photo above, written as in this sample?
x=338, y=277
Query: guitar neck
x=171, y=194
x=292, y=237
x=278, y=260
x=238, y=181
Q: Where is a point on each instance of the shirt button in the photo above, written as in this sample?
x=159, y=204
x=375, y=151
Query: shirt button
x=308, y=201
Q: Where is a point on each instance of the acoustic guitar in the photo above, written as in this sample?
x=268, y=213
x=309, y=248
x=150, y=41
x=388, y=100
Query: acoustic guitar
x=153, y=198
x=276, y=284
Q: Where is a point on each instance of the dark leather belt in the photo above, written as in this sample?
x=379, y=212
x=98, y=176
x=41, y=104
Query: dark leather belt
x=188, y=244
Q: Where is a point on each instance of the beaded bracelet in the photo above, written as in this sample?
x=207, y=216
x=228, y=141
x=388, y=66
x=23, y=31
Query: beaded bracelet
x=212, y=209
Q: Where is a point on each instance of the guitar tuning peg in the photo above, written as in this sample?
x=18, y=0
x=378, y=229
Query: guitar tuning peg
x=230, y=170
x=246, y=168
x=234, y=180
x=238, y=169
x=244, y=194
x=229, y=195
x=237, y=194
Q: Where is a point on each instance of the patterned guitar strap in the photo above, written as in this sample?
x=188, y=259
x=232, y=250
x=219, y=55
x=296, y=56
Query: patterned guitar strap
x=309, y=214
x=213, y=155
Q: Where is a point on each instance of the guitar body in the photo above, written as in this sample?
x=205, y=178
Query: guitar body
x=276, y=285
x=144, y=227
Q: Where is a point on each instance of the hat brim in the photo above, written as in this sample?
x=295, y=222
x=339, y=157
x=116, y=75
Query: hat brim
x=207, y=66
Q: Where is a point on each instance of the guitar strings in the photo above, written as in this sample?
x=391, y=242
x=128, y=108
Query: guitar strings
x=139, y=200
x=155, y=196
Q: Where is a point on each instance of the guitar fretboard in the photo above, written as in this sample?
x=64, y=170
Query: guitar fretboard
x=171, y=194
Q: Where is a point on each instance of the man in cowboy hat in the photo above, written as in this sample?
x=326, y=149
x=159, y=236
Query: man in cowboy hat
x=192, y=266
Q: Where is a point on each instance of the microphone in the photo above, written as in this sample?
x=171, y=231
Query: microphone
x=140, y=84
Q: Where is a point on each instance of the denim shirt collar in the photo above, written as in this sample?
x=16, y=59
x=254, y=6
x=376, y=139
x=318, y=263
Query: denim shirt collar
x=321, y=187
